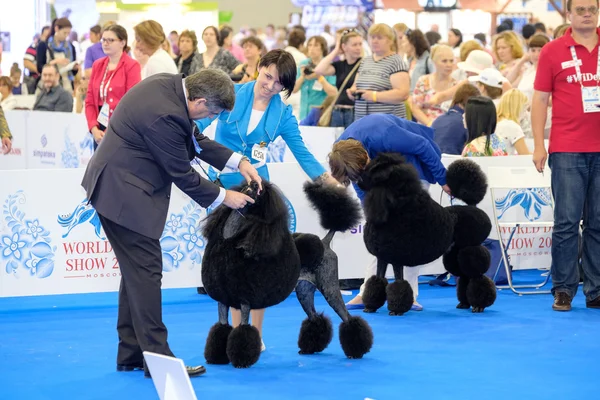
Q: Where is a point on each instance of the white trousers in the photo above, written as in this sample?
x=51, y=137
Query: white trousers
x=411, y=275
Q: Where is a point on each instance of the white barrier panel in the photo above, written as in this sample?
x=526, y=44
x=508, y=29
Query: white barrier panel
x=25, y=101
x=51, y=242
x=47, y=140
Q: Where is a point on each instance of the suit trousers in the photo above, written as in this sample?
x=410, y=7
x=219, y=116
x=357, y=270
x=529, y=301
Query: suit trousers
x=139, y=325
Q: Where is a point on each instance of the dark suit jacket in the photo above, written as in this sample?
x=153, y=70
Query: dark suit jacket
x=147, y=147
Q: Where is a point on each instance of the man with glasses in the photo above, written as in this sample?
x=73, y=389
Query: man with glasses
x=147, y=147
x=569, y=72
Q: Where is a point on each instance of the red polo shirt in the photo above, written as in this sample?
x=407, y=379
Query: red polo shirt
x=573, y=131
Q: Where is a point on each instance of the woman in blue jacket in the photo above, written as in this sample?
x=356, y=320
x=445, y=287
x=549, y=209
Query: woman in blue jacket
x=260, y=116
x=378, y=133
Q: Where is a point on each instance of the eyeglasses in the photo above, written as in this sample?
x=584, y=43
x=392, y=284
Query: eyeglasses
x=108, y=40
x=581, y=11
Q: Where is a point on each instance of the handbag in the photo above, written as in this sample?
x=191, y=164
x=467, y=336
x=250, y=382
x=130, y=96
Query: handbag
x=325, y=119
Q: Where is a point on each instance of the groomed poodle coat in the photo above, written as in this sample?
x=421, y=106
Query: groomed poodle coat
x=406, y=227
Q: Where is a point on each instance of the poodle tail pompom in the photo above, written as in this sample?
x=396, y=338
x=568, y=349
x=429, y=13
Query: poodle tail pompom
x=481, y=293
x=467, y=181
x=315, y=334
x=356, y=337
x=215, y=351
x=338, y=211
x=244, y=346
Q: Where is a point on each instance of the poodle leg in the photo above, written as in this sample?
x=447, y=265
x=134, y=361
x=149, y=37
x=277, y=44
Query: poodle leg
x=400, y=296
x=461, y=292
x=244, y=345
x=481, y=293
x=316, y=331
x=215, y=351
x=374, y=294
x=355, y=334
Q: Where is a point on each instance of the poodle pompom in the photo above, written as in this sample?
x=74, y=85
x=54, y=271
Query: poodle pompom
x=356, y=337
x=244, y=346
x=311, y=250
x=461, y=293
x=473, y=225
x=450, y=261
x=481, y=293
x=315, y=334
x=474, y=261
x=467, y=181
x=338, y=211
x=400, y=297
x=215, y=351
x=391, y=171
x=374, y=296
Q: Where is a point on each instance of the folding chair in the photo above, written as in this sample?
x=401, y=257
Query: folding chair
x=517, y=178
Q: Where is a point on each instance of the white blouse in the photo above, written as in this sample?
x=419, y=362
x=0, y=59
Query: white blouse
x=159, y=62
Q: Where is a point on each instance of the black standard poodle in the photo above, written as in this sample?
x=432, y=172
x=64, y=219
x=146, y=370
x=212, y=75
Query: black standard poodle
x=406, y=227
x=250, y=262
x=338, y=212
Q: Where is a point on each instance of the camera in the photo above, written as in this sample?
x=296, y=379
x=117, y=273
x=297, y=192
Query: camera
x=309, y=69
x=357, y=95
x=236, y=77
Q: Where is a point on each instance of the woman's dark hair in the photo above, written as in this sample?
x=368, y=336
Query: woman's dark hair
x=296, y=38
x=433, y=37
x=418, y=40
x=216, y=31
x=458, y=33
x=253, y=40
x=286, y=68
x=320, y=40
x=480, y=115
x=120, y=33
x=224, y=34
x=59, y=23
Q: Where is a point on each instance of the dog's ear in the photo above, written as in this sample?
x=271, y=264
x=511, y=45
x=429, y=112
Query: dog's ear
x=215, y=221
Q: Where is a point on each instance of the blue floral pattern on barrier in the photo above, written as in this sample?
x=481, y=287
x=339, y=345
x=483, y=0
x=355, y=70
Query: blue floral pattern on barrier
x=27, y=245
x=276, y=150
x=71, y=155
x=84, y=212
x=182, y=237
x=530, y=200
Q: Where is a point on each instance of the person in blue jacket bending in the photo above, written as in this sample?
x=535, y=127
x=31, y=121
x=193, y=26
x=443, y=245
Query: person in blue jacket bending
x=378, y=133
x=258, y=117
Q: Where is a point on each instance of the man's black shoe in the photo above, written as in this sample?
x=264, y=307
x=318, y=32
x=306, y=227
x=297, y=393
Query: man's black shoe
x=192, y=371
x=129, y=367
x=593, y=303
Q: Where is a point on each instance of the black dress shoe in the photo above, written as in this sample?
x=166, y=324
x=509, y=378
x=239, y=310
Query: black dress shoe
x=192, y=371
x=129, y=367
x=593, y=303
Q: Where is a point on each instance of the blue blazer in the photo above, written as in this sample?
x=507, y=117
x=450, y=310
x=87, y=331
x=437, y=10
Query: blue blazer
x=277, y=120
x=387, y=133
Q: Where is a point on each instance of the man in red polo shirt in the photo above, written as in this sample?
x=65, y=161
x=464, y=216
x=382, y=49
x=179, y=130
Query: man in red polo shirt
x=569, y=71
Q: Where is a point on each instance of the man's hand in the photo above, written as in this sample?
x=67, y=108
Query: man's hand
x=250, y=173
x=446, y=189
x=236, y=200
x=539, y=158
x=98, y=134
x=6, y=145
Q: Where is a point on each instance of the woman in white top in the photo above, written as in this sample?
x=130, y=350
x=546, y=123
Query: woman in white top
x=9, y=101
x=523, y=75
x=511, y=109
x=149, y=36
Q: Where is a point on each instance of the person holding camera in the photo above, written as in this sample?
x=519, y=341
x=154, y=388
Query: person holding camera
x=253, y=48
x=382, y=83
x=314, y=88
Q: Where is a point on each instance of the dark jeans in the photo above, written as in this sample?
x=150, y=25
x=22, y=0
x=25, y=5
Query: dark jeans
x=576, y=191
x=342, y=117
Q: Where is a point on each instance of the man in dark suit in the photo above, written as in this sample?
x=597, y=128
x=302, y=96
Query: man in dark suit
x=148, y=146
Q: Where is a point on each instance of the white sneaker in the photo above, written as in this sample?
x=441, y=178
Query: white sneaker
x=263, y=347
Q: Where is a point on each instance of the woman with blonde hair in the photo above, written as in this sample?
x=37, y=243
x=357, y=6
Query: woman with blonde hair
x=508, y=50
x=149, y=37
x=400, y=28
x=349, y=49
x=382, y=83
x=428, y=85
x=511, y=109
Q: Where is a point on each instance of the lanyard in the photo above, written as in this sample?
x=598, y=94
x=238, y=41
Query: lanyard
x=578, y=70
x=103, y=87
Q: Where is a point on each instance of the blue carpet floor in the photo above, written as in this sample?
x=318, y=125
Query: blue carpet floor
x=63, y=347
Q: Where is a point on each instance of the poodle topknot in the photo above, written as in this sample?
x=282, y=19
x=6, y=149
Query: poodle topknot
x=467, y=181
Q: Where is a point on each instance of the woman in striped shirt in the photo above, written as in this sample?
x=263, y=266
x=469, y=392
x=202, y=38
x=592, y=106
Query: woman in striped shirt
x=382, y=83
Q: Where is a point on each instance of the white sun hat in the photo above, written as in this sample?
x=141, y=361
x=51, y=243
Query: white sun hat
x=491, y=77
x=476, y=61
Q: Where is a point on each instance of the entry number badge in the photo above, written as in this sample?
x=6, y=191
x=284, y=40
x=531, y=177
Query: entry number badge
x=591, y=99
x=259, y=153
x=103, y=115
